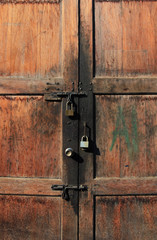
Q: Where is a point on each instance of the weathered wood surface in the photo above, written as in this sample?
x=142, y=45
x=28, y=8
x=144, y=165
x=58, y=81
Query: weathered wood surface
x=126, y=136
x=29, y=137
x=125, y=39
x=29, y=1
x=125, y=85
x=38, y=54
x=31, y=218
x=86, y=115
x=30, y=85
x=39, y=42
x=124, y=186
x=29, y=186
x=31, y=42
x=131, y=217
x=70, y=43
x=125, y=0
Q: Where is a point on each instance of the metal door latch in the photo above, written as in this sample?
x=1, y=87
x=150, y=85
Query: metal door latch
x=57, y=96
x=66, y=188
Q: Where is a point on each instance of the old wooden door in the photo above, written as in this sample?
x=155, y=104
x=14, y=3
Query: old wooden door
x=38, y=55
x=118, y=54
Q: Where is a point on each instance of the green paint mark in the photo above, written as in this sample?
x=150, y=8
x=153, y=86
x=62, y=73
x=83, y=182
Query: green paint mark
x=134, y=131
x=122, y=131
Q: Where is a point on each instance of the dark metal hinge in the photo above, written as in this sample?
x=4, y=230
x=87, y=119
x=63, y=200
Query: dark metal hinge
x=66, y=188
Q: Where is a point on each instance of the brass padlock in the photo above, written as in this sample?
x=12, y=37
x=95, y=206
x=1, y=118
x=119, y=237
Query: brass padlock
x=84, y=144
x=69, y=109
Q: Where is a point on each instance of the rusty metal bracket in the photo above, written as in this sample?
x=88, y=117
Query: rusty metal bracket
x=57, y=96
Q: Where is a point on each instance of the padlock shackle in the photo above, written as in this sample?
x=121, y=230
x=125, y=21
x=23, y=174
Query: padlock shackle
x=84, y=136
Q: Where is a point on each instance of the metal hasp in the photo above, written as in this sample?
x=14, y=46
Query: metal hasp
x=57, y=96
x=66, y=188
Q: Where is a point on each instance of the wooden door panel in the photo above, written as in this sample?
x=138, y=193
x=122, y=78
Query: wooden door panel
x=31, y=41
x=125, y=37
x=38, y=56
x=126, y=136
x=126, y=217
x=28, y=217
x=30, y=137
x=121, y=173
x=39, y=46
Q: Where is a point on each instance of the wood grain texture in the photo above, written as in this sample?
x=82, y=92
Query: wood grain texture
x=124, y=0
x=125, y=38
x=125, y=85
x=29, y=1
x=70, y=43
x=86, y=115
x=124, y=186
x=38, y=45
x=31, y=40
x=29, y=137
x=30, y=85
x=29, y=186
x=126, y=218
x=126, y=136
x=31, y=218
x=108, y=38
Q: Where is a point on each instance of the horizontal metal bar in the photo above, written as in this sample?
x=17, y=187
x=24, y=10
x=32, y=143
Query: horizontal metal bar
x=57, y=96
x=69, y=187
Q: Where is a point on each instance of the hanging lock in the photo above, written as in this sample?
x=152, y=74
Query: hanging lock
x=69, y=109
x=84, y=144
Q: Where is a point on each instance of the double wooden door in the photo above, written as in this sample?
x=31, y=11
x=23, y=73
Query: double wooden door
x=105, y=53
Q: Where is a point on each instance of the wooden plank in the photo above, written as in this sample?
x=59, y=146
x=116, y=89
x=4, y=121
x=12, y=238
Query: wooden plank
x=125, y=0
x=126, y=136
x=70, y=44
x=125, y=85
x=126, y=217
x=29, y=186
x=125, y=39
x=86, y=115
x=33, y=218
x=69, y=54
x=108, y=38
x=139, y=24
x=29, y=1
x=124, y=186
x=29, y=137
x=30, y=86
x=30, y=46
